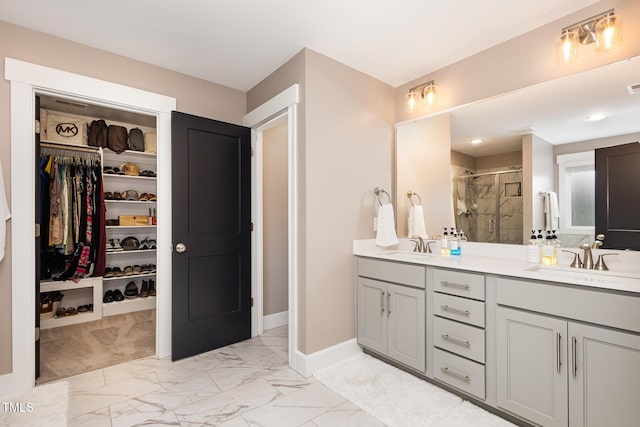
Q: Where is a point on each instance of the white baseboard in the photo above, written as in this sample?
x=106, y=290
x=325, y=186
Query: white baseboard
x=307, y=364
x=275, y=320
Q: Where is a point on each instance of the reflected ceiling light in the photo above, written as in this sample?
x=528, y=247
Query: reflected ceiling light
x=595, y=117
x=476, y=141
x=425, y=92
x=604, y=29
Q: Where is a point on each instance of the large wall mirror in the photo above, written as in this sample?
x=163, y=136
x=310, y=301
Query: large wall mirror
x=534, y=141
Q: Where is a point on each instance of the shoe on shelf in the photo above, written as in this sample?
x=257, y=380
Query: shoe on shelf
x=117, y=246
x=128, y=271
x=108, y=296
x=108, y=272
x=117, y=272
x=117, y=295
x=144, y=291
x=152, y=287
x=137, y=269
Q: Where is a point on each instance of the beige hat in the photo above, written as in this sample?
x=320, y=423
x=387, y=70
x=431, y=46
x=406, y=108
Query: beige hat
x=130, y=169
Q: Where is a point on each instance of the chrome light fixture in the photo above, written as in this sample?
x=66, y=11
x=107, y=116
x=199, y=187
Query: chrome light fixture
x=425, y=92
x=604, y=29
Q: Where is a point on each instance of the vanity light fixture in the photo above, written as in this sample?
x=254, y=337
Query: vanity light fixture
x=604, y=29
x=475, y=141
x=425, y=91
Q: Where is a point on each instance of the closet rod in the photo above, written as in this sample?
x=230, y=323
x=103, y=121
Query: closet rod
x=70, y=147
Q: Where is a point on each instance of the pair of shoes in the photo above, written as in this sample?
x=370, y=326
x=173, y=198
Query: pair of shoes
x=115, y=245
x=130, y=244
x=147, y=197
x=152, y=288
x=111, y=296
x=150, y=174
x=112, y=170
x=148, y=268
x=108, y=272
x=131, y=291
x=71, y=311
x=144, y=290
x=83, y=308
x=147, y=243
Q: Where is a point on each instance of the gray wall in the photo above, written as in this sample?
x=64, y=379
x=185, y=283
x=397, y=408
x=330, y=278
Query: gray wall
x=275, y=216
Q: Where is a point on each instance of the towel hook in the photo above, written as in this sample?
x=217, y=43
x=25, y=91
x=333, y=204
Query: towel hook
x=379, y=190
x=410, y=195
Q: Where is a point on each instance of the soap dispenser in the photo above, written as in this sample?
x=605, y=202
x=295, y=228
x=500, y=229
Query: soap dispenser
x=533, y=250
x=444, y=243
x=454, y=244
x=549, y=251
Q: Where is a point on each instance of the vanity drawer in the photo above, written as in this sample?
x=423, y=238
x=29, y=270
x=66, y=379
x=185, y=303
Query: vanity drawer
x=469, y=285
x=460, y=309
x=395, y=272
x=459, y=372
x=465, y=340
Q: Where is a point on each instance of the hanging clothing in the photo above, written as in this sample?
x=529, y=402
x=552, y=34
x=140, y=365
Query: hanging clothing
x=71, y=191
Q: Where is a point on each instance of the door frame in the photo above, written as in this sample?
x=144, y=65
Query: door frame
x=282, y=105
x=27, y=80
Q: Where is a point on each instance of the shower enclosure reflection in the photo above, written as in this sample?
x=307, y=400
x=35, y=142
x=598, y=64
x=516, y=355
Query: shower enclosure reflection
x=488, y=206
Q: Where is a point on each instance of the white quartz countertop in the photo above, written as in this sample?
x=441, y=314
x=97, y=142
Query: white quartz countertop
x=510, y=260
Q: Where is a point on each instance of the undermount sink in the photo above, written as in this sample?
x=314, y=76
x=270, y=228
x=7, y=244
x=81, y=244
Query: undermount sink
x=593, y=277
x=409, y=255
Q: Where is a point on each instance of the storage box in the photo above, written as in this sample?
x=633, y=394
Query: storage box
x=133, y=220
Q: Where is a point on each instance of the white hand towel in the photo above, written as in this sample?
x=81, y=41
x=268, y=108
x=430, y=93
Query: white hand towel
x=551, y=211
x=416, y=222
x=386, y=233
x=4, y=215
x=555, y=211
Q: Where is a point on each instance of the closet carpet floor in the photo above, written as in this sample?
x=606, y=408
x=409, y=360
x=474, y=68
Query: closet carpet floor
x=74, y=349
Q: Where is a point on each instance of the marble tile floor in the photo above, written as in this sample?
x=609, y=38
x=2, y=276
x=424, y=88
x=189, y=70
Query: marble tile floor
x=244, y=384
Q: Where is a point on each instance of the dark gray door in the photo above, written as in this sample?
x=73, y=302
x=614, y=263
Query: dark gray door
x=211, y=214
x=618, y=196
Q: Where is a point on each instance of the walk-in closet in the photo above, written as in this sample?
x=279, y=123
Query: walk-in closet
x=96, y=210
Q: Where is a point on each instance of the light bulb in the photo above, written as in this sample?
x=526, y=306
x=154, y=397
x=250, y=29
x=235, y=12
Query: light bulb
x=429, y=94
x=567, y=47
x=608, y=33
x=411, y=102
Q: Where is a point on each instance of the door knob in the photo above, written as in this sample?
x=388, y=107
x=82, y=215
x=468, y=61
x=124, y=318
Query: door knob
x=181, y=247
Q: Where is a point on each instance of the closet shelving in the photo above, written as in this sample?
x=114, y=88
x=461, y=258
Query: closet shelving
x=115, y=208
x=85, y=291
x=92, y=289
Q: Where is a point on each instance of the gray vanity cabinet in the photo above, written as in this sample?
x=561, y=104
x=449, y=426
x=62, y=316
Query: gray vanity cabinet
x=604, y=382
x=532, y=366
x=558, y=372
x=391, y=316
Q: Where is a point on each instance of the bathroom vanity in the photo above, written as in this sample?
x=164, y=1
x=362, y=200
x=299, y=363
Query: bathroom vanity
x=548, y=345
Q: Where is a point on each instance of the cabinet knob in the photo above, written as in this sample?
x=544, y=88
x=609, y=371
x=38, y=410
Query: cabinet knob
x=181, y=247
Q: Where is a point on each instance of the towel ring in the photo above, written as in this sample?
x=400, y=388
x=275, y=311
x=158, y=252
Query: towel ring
x=379, y=190
x=410, y=195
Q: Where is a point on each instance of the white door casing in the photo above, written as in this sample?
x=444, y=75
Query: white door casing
x=27, y=80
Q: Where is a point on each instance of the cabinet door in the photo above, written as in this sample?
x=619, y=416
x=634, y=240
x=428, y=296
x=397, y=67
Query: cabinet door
x=372, y=314
x=532, y=368
x=605, y=384
x=406, y=327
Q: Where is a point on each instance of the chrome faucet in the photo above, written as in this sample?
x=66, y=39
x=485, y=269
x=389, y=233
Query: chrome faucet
x=587, y=258
x=421, y=245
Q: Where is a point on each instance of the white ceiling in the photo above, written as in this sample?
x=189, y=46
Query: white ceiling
x=237, y=43
x=555, y=110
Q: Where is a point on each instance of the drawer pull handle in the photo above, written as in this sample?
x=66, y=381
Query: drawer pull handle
x=574, y=356
x=455, y=285
x=455, y=340
x=455, y=310
x=382, y=302
x=455, y=374
x=388, y=304
x=558, y=361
